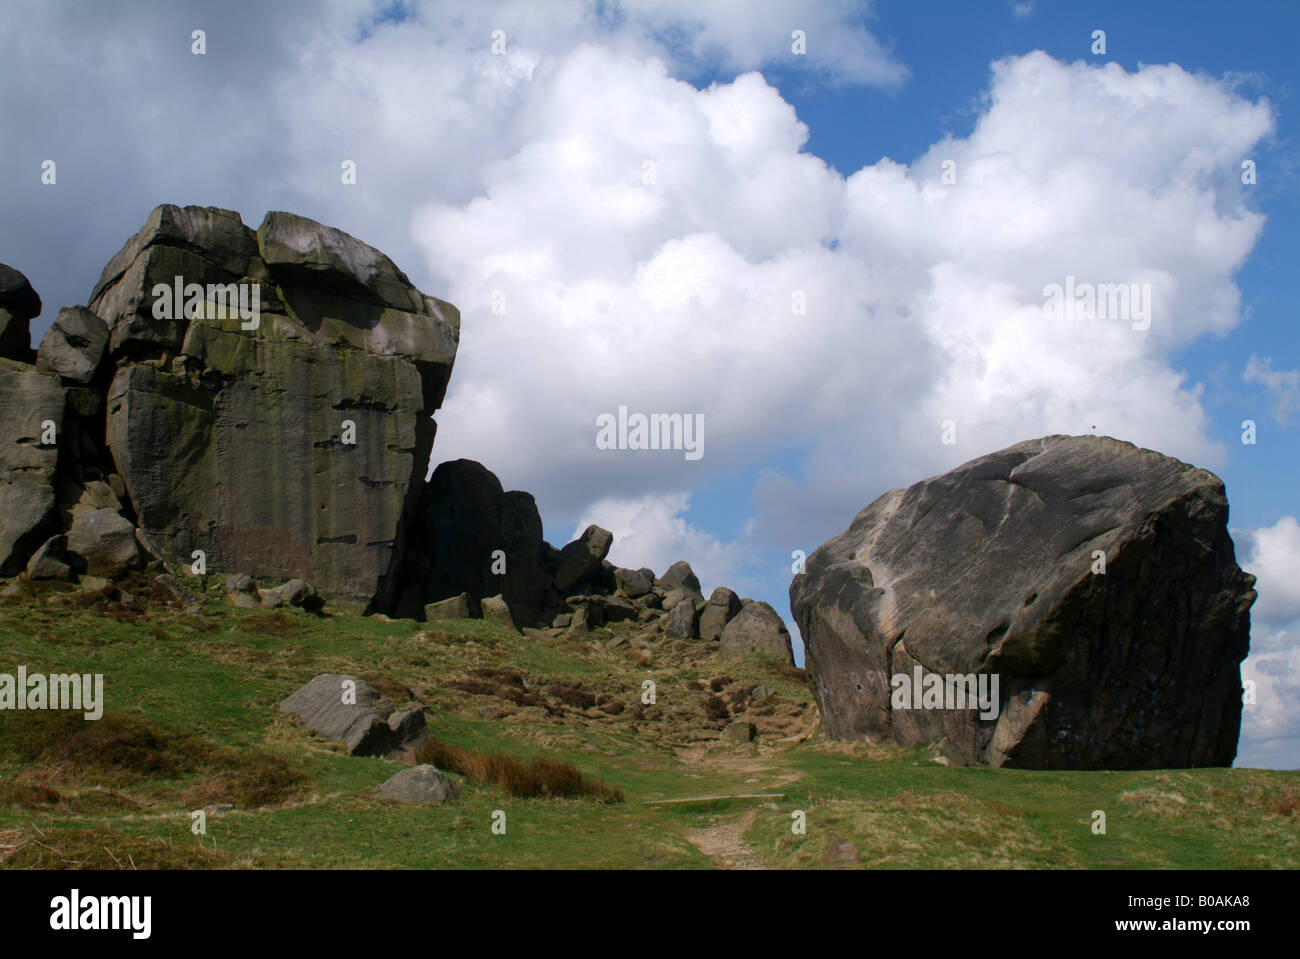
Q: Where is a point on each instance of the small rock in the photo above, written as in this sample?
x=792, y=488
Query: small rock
x=739, y=732
x=495, y=609
x=424, y=784
x=457, y=607
x=48, y=562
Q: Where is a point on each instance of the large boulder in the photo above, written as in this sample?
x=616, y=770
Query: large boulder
x=722, y=607
x=31, y=412
x=464, y=518
x=580, y=560
x=103, y=534
x=349, y=709
x=757, y=628
x=993, y=570
x=682, y=621
x=292, y=443
x=680, y=577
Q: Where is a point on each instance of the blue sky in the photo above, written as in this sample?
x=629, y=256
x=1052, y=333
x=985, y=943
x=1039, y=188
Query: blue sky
x=648, y=183
x=852, y=126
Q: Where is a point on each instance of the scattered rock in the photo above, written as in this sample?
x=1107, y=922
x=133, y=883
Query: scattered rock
x=739, y=732
x=424, y=784
x=296, y=592
x=457, y=607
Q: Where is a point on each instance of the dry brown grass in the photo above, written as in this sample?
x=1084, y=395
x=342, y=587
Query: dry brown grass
x=540, y=777
x=263, y=780
x=103, y=849
x=64, y=755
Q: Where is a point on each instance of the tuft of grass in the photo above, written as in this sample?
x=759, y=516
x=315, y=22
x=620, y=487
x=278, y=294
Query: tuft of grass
x=265, y=780
x=540, y=777
x=275, y=623
x=715, y=708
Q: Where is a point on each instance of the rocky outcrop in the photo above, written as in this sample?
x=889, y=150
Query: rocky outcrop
x=295, y=448
x=256, y=404
x=261, y=397
x=994, y=570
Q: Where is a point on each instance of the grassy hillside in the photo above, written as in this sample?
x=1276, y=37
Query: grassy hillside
x=192, y=722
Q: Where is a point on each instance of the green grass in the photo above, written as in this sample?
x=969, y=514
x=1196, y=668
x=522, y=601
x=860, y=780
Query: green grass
x=192, y=720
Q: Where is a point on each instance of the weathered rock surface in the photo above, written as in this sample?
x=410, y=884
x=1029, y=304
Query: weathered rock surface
x=351, y=710
x=425, y=784
x=30, y=403
x=757, y=628
x=103, y=534
x=293, y=445
x=988, y=569
x=73, y=346
x=19, y=305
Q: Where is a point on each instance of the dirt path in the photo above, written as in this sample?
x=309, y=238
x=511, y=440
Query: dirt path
x=725, y=844
x=723, y=839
